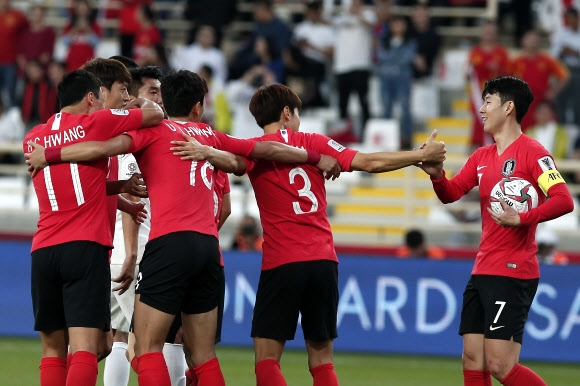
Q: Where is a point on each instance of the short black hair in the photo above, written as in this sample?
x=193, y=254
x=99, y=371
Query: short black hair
x=509, y=88
x=268, y=103
x=414, y=238
x=108, y=71
x=181, y=90
x=129, y=63
x=137, y=76
x=571, y=11
x=75, y=85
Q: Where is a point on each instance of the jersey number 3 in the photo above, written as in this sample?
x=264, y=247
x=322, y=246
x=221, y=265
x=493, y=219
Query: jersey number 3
x=304, y=192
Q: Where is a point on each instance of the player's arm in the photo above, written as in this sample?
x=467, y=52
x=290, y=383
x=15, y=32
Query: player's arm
x=225, y=211
x=152, y=113
x=131, y=237
x=134, y=186
x=136, y=210
x=40, y=157
x=431, y=152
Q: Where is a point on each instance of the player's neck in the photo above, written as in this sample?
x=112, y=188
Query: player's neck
x=79, y=108
x=507, y=135
x=180, y=119
x=273, y=128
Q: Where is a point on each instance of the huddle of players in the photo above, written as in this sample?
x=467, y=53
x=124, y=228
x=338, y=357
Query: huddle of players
x=180, y=271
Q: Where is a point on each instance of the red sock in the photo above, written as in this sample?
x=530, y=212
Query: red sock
x=209, y=373
x=135, y=364
x=190, y=377
x=324, y=375
x=83, y=369
x=522, y=376
x=52, y=371
x=153, y=370
x=68, y=360
x=476, y=378
x=268, y=373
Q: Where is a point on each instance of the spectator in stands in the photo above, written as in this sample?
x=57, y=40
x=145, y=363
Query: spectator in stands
x=428, y=42
x=416, y=247
x=12, y=24
x=147, y=36
x=545, y=75
x=548, y=132
x=274, y=31
x=202, y=52
x=394, y=67
x=353, y=60
x=566, y=47
x=547, y=241
x=37, y=107
x=521, y=12
x=216, y=109
x=37, y=42
x=81, y=35
x=157, y=57
x=129, y=24
x=215, y=13
x=314, y=37
x=239, y=93
x=55, y=73
x=486, y=60
x=11, y=131
x=248, y=236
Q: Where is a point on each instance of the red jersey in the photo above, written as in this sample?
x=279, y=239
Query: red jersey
x=504, y=251
x=12, y=24
x=221, y=186
x=292, y=201
x=144, y=40
x=181, y=193
x=112, y=175
x=72, y=196
x=82, y=46
x=488, y=64
x=537, y=71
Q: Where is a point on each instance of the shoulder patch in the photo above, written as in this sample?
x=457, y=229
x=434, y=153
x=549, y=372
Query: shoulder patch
x=336, y=146
x=119, y=112
x=547, y=163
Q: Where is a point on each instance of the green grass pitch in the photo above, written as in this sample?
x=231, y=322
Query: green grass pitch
x=19, y=360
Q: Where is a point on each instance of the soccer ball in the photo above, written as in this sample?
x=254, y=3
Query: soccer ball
x=516, y=192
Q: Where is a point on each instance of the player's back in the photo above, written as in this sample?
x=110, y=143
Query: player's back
x=180, y=192
x=292, y=203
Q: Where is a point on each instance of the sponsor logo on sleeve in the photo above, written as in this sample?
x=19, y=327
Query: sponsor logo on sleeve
x=336, y=146
x=547, y=163
x=119, y=112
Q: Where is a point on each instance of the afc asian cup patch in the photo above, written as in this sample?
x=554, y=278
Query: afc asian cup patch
x=132, y=167
x=336, y=146
x=547, y=163
x=508, y=168
x=119, y=112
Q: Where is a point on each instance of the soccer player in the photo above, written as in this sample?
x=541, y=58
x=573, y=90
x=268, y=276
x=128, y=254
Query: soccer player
x=70, y=272
x=299, y=263
x=180, y=269
x=505, y=276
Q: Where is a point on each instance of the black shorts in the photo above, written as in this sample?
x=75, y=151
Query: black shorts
x=497, y=306
x=180, y=272
x=176, y=325
x=309, y=288
x=71, y=286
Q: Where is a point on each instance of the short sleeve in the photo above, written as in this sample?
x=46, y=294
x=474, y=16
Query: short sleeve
x=141, y=139
x=328, y=146
x=113, y=122
x=241, y=147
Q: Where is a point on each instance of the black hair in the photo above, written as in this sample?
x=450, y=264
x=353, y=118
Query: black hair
x=414, y=238
x=137, y=76
x=108, y=71
x=509, y=88
x=76, y=85
x=148, y=12
x=181, y=90
x=129, y=63
x=571, y=11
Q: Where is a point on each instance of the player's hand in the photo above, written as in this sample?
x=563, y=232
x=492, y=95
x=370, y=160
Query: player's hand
x=135, y=186
x=433, y=151
x=329, y=166
x=434, y=169
x=126, y=276
x=137, y=211
x=35, y=159
x=135, y=103
x=509, y=218
x=191, y=150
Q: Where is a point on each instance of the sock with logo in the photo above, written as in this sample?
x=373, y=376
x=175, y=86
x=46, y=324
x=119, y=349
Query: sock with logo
x=153, y=370
x=117, y=368
x=324, y=375
x=268, y=373
x=52, y=371
x=209, y=373
x=83, y=369
x=476, y=378
x=522, y=376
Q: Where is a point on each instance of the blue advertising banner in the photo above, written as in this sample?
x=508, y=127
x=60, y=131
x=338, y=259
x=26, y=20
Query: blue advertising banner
x=387, y=305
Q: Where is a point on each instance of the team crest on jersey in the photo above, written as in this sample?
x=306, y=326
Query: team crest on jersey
x=336, y=146
x=509, y=166
x=119, y=112
x=547, y=163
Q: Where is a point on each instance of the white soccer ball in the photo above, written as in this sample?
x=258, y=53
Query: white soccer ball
x=516, y=192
